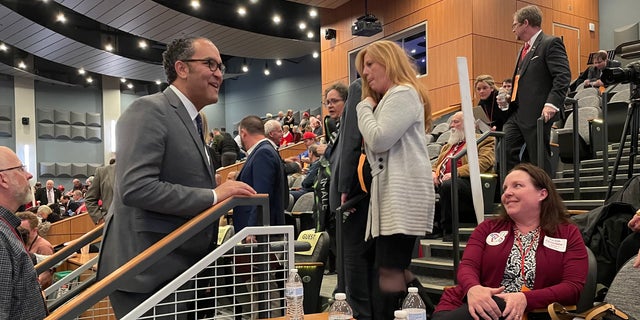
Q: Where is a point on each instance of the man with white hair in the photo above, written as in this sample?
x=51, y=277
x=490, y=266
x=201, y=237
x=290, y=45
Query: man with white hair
x=441, y=172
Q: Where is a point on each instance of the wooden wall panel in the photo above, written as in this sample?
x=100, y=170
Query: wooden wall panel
x=494, y=57
x=493, y=18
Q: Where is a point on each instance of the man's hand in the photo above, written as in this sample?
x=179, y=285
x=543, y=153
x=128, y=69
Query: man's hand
x=634, y=223
x=548, y=113
x=233, y=188
x=481, y=304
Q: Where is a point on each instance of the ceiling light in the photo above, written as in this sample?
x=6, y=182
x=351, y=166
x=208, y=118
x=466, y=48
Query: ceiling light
x=276, y=18
x=3, y=47
x=89, y=80
x=195, y=4
x=302, y=25
x=158, y=82
x=142, y=44
x=242, y=11
x=108, y=47
x=279, y=62
x=123, y=80
x=266, y=69
x=310, y=34
x=253, y=1
x=81, y=71
x=316, y=54
x=21, y=65
x=413, y=51
x=313, y=13
x=61, y=18
x=130, y=85
x=245, y=66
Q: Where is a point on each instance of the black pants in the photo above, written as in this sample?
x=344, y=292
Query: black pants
x=516, y=135
x=465, y=204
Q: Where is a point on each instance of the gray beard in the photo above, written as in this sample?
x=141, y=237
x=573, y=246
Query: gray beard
x=456, y=137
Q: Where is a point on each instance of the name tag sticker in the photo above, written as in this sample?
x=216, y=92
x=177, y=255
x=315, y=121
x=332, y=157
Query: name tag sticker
x=496, y=238
x=556, y=244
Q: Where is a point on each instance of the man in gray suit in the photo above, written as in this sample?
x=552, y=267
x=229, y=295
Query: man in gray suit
x=164, y=176
x=540, y=83
x=100, y=189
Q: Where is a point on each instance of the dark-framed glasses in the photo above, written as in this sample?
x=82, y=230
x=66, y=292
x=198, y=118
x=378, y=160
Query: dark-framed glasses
x=332, y=101
x=22, y=168
x=212, y=64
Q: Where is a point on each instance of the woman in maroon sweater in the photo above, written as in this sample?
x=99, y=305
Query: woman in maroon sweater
x=528, y=257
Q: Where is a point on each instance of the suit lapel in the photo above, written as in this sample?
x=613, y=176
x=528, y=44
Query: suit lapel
x=531, y=53
x=182, y=113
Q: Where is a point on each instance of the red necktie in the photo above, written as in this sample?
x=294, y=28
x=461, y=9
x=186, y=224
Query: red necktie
x=524, y=51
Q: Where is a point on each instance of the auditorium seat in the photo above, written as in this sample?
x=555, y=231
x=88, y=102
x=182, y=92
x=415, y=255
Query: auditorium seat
x=587, y=92
x=310, y=265
x=565, y=135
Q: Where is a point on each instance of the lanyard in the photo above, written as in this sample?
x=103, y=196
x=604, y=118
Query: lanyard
x=525, y=251
x=14, y=230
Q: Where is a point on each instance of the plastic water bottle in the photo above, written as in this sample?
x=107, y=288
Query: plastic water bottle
x=294, y=294
x=400, y=315
x=414, y=306
x=340, y=309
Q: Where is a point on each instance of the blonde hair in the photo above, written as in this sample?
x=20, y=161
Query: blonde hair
x=486, y=79
x=399, y=70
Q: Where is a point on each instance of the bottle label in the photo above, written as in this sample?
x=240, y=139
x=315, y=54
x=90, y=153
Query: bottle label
x=294, y=292
x=416, y=314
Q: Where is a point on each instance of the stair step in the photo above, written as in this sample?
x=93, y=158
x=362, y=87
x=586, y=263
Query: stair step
x=583, y=204
x=591, y=181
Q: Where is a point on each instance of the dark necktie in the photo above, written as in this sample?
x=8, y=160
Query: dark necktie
x=199, y=125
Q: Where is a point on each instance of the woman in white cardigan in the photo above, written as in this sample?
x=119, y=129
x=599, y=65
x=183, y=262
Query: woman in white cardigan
x=392, y=118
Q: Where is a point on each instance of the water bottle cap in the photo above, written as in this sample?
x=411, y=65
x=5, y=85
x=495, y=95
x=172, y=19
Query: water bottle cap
x=401, y=314
x=341, y=296
x=294, y=270
x=413, y=290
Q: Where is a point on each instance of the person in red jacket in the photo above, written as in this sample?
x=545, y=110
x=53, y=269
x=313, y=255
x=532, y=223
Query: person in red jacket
x=529, y=256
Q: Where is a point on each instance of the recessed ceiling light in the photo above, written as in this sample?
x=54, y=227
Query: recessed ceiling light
x=242, y=11
x=61, y=18
x=279, y=62
x=276, y=18
x=302, y=25
x=313, y=13
x=195, y=4
x=142, y=44
x=81, y=71
x=123, y=80
x=22, y=65
x=267, y=72
x=89, y=80
x=245, y=68
x=130, y=85
x=413, y=50
x=3, y=47
x=108, y=47
x=158, y=82
x=310, y=34
x=316, y=54
x=253, y=1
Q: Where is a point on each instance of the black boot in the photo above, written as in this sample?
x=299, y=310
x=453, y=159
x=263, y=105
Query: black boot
x=422, y=291
x=388, y=303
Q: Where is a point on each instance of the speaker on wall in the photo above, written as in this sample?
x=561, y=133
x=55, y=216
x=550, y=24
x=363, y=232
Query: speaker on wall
x=25, y=121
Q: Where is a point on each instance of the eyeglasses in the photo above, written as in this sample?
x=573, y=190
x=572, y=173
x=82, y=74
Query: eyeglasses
x=22, y=168
x=332, y=101
x=516, y=25
x=212, y=64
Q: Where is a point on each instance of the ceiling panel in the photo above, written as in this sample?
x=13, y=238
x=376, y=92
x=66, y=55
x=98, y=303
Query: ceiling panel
x=329, y=4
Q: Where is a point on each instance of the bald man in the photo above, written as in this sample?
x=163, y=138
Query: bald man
x=20, y=296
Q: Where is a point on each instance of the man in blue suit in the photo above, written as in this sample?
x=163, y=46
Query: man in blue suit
x=263, y=171
x=164, y=175
x=540, y=83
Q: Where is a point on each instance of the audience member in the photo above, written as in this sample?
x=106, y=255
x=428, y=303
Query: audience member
x=600, y=61
x=297, y=135
x=48, y=194
x=47, y=214
x=396, y=149
x=304, y=122
x=77, y=205
x=36, y=244
x=527, y=258
x=309, y=140
x=316, y=126
x=441, y=173
x=539, y=89
x=263, y=171
x=102, y=189
x=273, y=132
x=228, y=149
x=20, y=295
x=65, y=201
x=487, y=94
x=289, y=120
x=77, y=185
x=287, y=137
x=507, y=84
x=163, y=174
x=312, y=173
x=280, y=117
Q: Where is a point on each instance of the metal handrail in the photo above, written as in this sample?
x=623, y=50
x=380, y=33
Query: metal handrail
x=576, y=146
x=455, y=214
x=70, y=249
x=153, y=254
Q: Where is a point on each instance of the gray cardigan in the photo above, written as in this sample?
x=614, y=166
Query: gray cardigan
x=402, y=194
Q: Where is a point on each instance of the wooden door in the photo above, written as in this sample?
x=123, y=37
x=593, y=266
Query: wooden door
x=571, y=38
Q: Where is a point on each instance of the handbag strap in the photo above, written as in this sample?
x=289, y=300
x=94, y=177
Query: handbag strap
x=558, y=312
x=599, y=310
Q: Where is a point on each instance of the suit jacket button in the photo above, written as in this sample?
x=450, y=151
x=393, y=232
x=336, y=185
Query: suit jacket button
x=380, y=166
x=380, y=159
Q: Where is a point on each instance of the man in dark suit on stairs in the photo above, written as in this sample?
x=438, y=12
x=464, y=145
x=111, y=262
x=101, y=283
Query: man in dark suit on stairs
x=540, y=83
